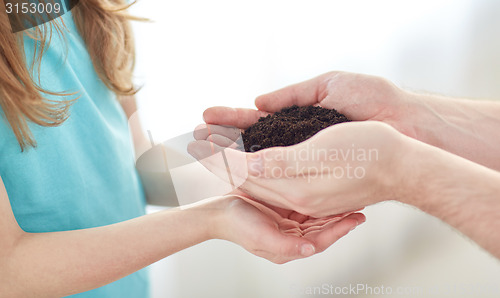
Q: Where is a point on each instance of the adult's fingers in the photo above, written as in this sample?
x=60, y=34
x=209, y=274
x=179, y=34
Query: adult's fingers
x=203, y=131
x=228, y=164
x=266, y=175
x=224, y=136
x=289, y=174
x=302, y=94
x=232, y=166
x=278, y=175
x=224, y=141
x=241, y=118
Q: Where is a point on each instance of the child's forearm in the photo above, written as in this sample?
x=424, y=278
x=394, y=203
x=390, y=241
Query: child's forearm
x=468, y=128
x=63, y=263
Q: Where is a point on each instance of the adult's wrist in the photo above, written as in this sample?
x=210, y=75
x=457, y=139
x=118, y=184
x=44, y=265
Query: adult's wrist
x=437, y=120
x=441, y=183
x=419, y=118
x=420, y=172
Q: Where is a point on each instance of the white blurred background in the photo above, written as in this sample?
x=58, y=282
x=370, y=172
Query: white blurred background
x=198, y=54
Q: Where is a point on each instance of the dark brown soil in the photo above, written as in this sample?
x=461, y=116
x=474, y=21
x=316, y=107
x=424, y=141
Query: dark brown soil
x=289, y=126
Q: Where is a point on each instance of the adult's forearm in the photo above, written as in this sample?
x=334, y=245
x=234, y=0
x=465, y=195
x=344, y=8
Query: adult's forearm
x=464, y=194
x=63, y=263
x=468, y=128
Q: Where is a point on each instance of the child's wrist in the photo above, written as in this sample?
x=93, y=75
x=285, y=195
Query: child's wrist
x=215, y=213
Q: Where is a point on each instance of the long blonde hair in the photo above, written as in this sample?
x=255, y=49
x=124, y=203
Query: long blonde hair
x=103, y=25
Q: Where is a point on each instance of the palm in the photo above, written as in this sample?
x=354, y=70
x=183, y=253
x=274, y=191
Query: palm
x=270, y=232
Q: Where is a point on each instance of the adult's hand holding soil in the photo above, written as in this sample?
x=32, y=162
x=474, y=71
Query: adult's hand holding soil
x=359, y=97
x=342, y=168
x=467, y=128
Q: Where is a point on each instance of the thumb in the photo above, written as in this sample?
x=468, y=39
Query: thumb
x=302, y=94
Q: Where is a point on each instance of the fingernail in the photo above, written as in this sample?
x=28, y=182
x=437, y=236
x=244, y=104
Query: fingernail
x=255, y=164
x=307, y=250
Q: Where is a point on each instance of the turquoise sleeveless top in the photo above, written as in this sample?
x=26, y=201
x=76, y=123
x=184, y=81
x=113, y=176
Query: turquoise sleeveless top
x=82, y=173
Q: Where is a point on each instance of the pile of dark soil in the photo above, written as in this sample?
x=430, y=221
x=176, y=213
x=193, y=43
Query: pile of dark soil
x=289, y=126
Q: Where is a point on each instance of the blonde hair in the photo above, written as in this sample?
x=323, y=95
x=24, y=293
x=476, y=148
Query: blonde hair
x=103, y=25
